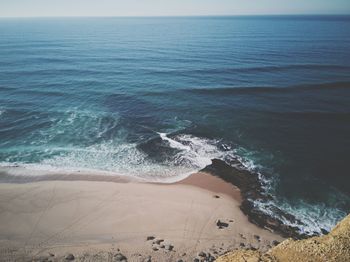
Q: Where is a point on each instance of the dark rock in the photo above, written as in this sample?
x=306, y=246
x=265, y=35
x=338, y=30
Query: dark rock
x=196, y=260
x=162, y=246
x=169, y=247
x=211, y=258
x=202, y=254
x=257, y=237
x=148, y=259
x=119, y=257
x=241, y=244
x=180, y=260
x=51, y=255
x=158, y=241
x=150, y=238
x=240, y=178
x=155, y=249
x=324, y=231
x=275, y=242
x=231, y=221
x=252, y=189
x=221, y=224
x=70, y=257
x=216, y=196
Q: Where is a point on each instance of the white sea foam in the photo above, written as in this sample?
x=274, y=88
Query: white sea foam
x=107, y=158
x=121, y=158
x=34, y=170
x=127, y=159
x=193, y=151
x=314, y=216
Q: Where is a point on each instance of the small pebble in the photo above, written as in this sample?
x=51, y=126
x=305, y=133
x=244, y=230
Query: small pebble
x=275, y=242
x=159, y=241
x=221, y=224
x=70, y=257
x=148, y=259
x=119, y=257
x=169, y=247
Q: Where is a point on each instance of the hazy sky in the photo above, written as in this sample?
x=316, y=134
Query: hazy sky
x=9, y=8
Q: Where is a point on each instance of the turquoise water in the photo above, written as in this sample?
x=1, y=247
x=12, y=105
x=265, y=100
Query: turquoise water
x=158, y=98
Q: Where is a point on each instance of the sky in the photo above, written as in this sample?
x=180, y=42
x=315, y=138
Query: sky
x=35, y=8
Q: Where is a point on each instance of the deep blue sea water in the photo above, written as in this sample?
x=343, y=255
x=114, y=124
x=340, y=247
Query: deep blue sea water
x=158, y=98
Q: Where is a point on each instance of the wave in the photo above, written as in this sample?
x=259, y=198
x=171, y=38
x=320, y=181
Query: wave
x=257, y=69
x=178, y=72
x=268, y=89
x=76, y=139
x=315, y=217
x=122, y=158
x=61, y=72
x=104, y=159
x=255, y=90
x=193, y=151
x=315, y=115
x=6, y=88
x=183, y=154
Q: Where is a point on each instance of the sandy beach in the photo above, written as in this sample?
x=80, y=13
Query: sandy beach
x=97, y=220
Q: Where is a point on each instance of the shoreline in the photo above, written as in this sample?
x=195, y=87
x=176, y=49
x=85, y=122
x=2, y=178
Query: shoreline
x=213, y=184
x=191, y=216
x=242, y=184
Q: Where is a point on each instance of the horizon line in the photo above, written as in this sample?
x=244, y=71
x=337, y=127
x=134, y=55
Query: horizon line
x=165, y=16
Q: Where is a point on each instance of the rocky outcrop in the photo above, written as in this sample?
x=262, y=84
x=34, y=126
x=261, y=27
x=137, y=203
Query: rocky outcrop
x=333, y=247
x=252, y=190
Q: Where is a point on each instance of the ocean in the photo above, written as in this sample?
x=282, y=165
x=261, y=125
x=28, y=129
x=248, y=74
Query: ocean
x=157, y=98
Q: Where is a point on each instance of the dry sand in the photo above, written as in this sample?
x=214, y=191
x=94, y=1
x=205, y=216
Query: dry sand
x=94, y=220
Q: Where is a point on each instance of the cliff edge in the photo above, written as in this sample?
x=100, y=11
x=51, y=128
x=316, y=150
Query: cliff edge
x=335, y=246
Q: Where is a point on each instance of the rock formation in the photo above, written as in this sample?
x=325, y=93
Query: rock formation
x=335, y=246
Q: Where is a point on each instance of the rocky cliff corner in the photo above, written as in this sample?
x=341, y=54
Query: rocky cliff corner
x=334, y=246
